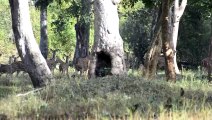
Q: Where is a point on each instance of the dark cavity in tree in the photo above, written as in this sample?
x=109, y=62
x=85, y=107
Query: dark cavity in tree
x=103, y=64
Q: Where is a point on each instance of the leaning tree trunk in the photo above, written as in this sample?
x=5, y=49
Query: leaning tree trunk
x=151, y=57
x=178, y=12
x=27, y=47
x=82, y=28
x=108, y=53
x=167, y=47
x=43, y=29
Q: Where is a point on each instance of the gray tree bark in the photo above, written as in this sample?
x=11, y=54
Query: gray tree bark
x=43, y=29
x=178, y=12
x=27, y=47
x=108, y=52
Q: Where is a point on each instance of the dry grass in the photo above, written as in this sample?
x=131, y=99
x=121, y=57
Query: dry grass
x=109, y=98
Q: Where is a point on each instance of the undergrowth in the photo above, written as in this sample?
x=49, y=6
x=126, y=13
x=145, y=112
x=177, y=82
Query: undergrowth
x=115, y=97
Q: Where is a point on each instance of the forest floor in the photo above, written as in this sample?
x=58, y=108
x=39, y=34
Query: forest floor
x=110, y=98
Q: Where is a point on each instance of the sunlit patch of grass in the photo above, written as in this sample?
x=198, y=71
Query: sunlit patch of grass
x=111, y=97
x=132, y=72
x=14, y=106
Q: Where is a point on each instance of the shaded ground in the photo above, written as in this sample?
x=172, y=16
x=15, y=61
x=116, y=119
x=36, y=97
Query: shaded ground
x=107, y=98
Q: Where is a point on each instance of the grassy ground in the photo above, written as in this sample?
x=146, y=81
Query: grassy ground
x=110, y=98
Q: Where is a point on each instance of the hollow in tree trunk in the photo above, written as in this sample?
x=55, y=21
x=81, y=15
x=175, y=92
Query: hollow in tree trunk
x=28, y=49
x=108, y=53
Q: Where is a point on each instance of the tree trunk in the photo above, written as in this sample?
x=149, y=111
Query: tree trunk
x=82, y=28
x=167, y=47
x=43, y=29
x=178, y=12
x=108, y=53
x=27, y=47
x=210, y=53
x=151, y=57
x=210, y=60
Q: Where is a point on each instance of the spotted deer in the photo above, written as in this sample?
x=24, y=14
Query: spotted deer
x=13, y=66
x=53, y=61
x=82, y=65
x=63, y=67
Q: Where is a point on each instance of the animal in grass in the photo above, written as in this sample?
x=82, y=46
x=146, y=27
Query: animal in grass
x=82, y=65
x=16, y=66
x=205, y=64
x=161, y=62
x=63, y=67
x=53, y=61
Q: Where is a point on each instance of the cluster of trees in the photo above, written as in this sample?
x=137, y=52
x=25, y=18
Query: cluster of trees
x=148, y=27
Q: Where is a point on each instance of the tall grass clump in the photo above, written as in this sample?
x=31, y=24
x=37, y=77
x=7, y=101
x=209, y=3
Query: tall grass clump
x=114, y=97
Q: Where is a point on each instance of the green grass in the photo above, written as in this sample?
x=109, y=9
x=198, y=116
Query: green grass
x=129, y=97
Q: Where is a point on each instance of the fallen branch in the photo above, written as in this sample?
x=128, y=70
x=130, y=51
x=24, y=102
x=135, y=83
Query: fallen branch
x=30, y=92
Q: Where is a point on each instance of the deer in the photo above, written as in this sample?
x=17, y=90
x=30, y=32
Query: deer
x=82, y=65
x=63, y=67
x=161, y=61
x=16, y=66
x=53, y=61
x=205, y=63
x=5, y=68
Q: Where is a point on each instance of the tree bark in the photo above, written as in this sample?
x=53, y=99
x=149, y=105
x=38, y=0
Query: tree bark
x=108, y=52
x=82, y=28
x=43, y=29
x=178, y=12
x=151, y=57
x=27, y=47
x=167, y=47
x=210, y=53
x=210, y=59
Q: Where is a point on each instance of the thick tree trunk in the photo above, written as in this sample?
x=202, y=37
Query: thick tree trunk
x=178, y=12
x=43, y=29
x=108, y=52
x=77, y=52
x=167, y=47
x=151, y=57
x=82, y=29
x=27, y=47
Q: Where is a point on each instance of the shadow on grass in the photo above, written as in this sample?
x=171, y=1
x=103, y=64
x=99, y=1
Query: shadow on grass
x=5, y=91
x=119, y=96
x=12, y=85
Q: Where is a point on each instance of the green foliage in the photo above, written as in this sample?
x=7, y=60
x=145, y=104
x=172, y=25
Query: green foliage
x=6, y=37
x=148, y=3
x=135, y=29
x=35, y=20
x=61, y=28
x=194, y=34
